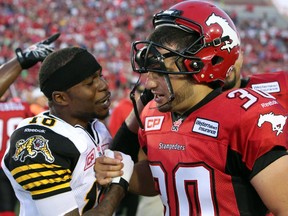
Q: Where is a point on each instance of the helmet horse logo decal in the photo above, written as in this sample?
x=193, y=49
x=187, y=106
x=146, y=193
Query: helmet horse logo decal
x=227, y=31
x=277, y=121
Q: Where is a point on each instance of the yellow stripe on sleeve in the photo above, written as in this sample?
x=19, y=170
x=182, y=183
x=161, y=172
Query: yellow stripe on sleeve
x=44, y=174
x=51, y=189
x=42, y=182
x=33, y=166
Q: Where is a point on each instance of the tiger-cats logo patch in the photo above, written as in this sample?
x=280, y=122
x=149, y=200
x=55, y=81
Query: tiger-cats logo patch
x=31, y=147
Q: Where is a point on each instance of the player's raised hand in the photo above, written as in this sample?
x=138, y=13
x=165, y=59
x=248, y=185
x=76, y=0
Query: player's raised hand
x=35, y=53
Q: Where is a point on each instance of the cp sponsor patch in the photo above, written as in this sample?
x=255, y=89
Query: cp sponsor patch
x=153, y=123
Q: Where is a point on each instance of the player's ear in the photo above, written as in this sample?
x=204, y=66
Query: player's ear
x=231, y=75
x=60, y=97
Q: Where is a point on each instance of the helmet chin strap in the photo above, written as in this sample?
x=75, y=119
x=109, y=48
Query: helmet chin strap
x=132, y=98
x=170, y=89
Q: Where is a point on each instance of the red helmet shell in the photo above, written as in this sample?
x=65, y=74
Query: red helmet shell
x=213, y=24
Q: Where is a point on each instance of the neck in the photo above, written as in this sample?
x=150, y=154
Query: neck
x=191, y=98
x=69, y=118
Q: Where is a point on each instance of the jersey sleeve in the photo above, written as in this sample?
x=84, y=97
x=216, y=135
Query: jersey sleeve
x=41, y=161
x=260, y=131
x=275, y=83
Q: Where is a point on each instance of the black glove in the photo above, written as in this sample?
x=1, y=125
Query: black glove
x=146, y=96
x=35, y=53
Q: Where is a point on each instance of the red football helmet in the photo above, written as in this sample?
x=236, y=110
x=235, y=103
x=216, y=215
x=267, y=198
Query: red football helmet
x=210, y=58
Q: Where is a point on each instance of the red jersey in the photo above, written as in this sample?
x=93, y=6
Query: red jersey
x=202, y=162
x=11, y=113
x=275, y=83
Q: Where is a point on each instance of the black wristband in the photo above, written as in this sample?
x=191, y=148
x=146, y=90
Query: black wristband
x=123, y=183
x=20, y=57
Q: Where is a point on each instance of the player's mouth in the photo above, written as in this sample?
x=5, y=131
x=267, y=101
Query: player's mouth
x=159, y=98
x=106, y=101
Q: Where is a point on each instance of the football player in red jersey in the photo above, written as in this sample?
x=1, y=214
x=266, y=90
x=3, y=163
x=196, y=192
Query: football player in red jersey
x=24, y=60
x=274, y=83
x=12, y=112
x=209, y=152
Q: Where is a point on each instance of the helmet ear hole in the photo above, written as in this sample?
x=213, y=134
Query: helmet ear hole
x=196, y=65
x=216, y=60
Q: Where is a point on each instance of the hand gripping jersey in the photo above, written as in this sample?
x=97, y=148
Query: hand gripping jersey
x=50, y=165
x=11, y=113
x=203, y=163
x=275, y=83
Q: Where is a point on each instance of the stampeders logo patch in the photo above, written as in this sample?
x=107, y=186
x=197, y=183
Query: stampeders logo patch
x=153, y=123
x=206, y=127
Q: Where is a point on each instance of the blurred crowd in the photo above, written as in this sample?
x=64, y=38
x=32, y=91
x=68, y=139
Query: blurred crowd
x=107, y=28
x=265, y=44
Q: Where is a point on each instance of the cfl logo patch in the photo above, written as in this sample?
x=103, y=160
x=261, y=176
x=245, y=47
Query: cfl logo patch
x=153, y=123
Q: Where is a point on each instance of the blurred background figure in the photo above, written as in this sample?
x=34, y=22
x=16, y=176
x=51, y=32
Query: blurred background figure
x=12, y=111
x=121, y=110
x=38, y=101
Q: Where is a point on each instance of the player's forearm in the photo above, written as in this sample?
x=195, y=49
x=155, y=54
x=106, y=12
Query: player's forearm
x=126, y=138
x=126, y=141
x=110, y=202
x=8, y=73
x=142, y=182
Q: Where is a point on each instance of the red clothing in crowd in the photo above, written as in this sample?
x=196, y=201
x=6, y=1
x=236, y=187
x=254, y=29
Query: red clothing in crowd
x=119, y=114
